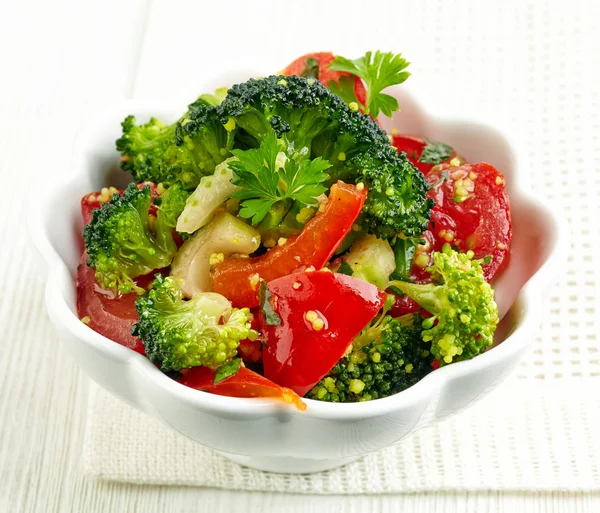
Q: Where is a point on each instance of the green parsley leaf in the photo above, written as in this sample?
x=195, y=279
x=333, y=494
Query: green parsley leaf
x=345, y=268
x=344, y=88
x=378, y=71
x=435, y=153
x=227, y=370
x=311, y=68
x=270, y=316
x=265, y=177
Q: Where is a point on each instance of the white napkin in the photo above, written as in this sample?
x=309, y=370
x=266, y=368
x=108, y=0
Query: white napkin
x=522, y=437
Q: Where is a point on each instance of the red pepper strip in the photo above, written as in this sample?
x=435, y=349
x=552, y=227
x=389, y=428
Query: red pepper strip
x=245, y=383
x=238, y=278
x=321, y=313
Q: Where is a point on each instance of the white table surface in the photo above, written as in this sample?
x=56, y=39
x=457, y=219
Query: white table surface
x=59, y=61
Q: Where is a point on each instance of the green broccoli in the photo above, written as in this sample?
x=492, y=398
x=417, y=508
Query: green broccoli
x=310, y=121
x=120, y=242
x=201, y=143
x=179, y=334
x=184, y=151
x=142, y=148
x=170, y=206
x=388, y=356
x=464, y=313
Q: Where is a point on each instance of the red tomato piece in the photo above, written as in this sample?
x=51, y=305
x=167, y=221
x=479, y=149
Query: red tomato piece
x=237, y=278
x=413, y=146
x=245, y=383
x=472, y=212
x=321, y=313
x=110, y=316
x=326, y=75
x=94, y=200
x=403, y=305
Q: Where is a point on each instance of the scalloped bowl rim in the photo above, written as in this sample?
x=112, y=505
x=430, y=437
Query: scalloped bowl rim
x=529, y=298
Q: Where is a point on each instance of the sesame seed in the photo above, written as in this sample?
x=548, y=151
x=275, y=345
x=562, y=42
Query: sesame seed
x=254, y=280
x=360, y=186
x=318, y=324
x=311, y=315
x=86, y=319
x=281, y=241
x=422, y=260
x=216, y=258
x=296, y=285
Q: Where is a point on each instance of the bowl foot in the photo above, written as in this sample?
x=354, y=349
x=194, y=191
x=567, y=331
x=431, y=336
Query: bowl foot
x=288, y=465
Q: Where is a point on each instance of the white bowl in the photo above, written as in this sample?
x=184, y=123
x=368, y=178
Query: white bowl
x=270, y=436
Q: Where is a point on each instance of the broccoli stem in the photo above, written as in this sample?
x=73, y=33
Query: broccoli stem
x=426, y=294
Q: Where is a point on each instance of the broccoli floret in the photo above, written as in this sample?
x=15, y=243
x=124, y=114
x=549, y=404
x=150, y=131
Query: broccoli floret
x=170, y=206
x=388, y=356
x=142, y=148
x=201, y=143
x=310, y=121
x=179, y=334
x=184, y=151
x=464, y=313
x=120, y=242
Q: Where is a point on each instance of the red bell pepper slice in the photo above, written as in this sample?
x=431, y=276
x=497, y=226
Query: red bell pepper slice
x=237, y=278
x=320, y=315
x=244, y=383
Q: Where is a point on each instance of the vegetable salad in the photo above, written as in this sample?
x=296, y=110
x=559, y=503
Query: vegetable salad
x=275, y=242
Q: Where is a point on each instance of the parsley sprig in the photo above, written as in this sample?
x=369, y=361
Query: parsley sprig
x=266, y=178
x=435, y=153
x=377, y=70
